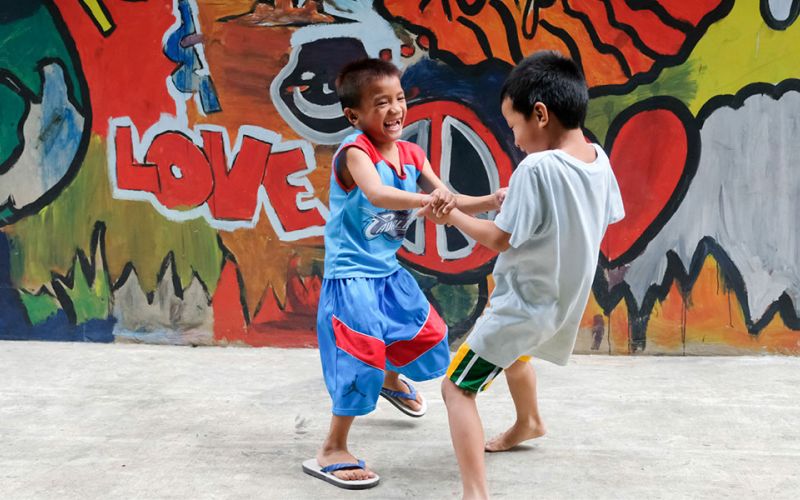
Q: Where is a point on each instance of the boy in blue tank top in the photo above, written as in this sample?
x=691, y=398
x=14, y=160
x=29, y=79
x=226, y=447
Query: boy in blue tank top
x=374, y=322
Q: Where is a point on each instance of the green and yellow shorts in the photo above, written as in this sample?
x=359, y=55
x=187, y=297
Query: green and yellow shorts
x=471, y=372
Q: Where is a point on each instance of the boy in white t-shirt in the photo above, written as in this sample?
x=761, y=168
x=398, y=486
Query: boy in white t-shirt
x=560, y=200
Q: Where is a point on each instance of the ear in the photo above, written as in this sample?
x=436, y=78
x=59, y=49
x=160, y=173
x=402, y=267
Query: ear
x=540, y=114
x=351, y=116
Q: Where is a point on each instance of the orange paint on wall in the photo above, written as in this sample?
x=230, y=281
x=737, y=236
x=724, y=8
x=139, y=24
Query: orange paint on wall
x=665, y=327
x=709, y=316
x=710, y=303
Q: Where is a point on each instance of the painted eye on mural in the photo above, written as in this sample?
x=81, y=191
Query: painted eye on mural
x=304, y=91
x=780, y=14
x=464, y=154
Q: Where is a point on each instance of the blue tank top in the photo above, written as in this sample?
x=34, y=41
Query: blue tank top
x=362, y=240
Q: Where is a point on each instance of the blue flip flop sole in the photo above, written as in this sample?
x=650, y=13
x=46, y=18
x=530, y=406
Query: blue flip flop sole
x=313, y=468
x=396, y=398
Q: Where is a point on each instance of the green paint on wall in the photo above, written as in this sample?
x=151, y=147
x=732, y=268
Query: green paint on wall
x=677, y=83
x=39, y=307
x=424, y=281
x=28, y=40
x=135, y=232
x=13, y=107
x=5, y=213
x=457, y=301
x=89, y=302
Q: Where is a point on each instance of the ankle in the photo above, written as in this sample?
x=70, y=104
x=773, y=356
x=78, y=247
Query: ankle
x=532, y=420
x=329, y=447
x=475, y=492
x=529, y=423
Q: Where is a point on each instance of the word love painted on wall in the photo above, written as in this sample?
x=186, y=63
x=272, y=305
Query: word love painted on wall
x=188, y=173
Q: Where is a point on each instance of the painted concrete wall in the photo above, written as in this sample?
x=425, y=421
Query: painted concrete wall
x=164, y=165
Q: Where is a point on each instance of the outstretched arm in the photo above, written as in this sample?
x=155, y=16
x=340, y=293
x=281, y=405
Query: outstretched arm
x=430, y=182
x=363, y=173
x=483, y=231
x=479, y=204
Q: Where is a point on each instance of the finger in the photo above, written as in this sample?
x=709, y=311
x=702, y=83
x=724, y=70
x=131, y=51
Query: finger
x=424, y=211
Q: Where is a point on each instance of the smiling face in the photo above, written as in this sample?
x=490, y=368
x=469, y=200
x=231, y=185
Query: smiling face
x=530, y=133
x=382, y=110
x=304, y=91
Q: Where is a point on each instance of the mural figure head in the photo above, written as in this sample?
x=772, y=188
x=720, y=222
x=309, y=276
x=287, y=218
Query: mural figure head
x=304, y=91
x=544, y=96
x=373, y=100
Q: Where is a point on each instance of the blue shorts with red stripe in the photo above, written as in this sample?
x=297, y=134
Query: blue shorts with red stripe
x=368, y=325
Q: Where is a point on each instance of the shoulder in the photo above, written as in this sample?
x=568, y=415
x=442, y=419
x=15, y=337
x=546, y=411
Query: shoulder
x=411, y=153
x=358, y=141
x=536, y=164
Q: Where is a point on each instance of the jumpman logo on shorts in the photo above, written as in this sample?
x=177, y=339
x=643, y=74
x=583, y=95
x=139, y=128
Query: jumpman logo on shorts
x=354, y=388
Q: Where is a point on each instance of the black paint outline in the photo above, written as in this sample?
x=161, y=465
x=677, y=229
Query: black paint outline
x=775, y=24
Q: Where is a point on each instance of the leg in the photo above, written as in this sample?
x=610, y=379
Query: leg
x=392, y=382
x=334, y=450
x=416, y=337
x=466, y=432
x=521, y=379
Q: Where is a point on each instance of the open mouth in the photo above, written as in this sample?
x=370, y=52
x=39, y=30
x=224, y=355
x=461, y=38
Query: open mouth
x=393, y=125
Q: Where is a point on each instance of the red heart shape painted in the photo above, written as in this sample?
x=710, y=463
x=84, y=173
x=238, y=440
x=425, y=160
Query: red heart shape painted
x=653, y=150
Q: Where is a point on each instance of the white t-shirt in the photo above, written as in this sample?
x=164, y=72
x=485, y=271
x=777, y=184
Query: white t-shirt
x=557, y=210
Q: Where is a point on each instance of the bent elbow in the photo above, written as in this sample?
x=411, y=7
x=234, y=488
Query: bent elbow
x=501, y=246
x=501, y=242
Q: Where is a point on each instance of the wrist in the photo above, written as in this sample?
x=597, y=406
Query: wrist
x=451, y=218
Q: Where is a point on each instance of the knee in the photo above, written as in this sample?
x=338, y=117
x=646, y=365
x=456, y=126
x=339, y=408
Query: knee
x=518, y=368
x=451, y=391
x=446, y=383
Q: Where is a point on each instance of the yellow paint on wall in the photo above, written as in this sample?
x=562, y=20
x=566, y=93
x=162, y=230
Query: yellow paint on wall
x=100, y=17
x=739, y=50
x=47, y=241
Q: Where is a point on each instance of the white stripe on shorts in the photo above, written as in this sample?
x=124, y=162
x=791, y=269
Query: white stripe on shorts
x=489, y=378
x=466, y=369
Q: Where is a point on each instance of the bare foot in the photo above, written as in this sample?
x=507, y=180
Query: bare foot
x=516, y=434
x=329, y=457
x=395, y=384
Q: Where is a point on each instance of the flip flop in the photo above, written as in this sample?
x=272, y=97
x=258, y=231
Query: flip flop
x=396, y=397
x=313, y=468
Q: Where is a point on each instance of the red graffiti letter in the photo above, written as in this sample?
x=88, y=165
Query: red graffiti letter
x=130, y=174
x=235, y=195
x=183, y=171
x=283, y=194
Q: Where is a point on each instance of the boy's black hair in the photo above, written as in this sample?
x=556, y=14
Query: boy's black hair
x=356, y=75
x=552, y=79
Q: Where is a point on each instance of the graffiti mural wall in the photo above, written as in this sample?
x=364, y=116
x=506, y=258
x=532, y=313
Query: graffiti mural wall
x=164, y=164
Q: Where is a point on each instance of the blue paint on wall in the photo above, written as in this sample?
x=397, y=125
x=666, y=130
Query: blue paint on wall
x=14, y=322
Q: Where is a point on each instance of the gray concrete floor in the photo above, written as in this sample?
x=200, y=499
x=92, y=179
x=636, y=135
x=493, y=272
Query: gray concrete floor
x=137, y=421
